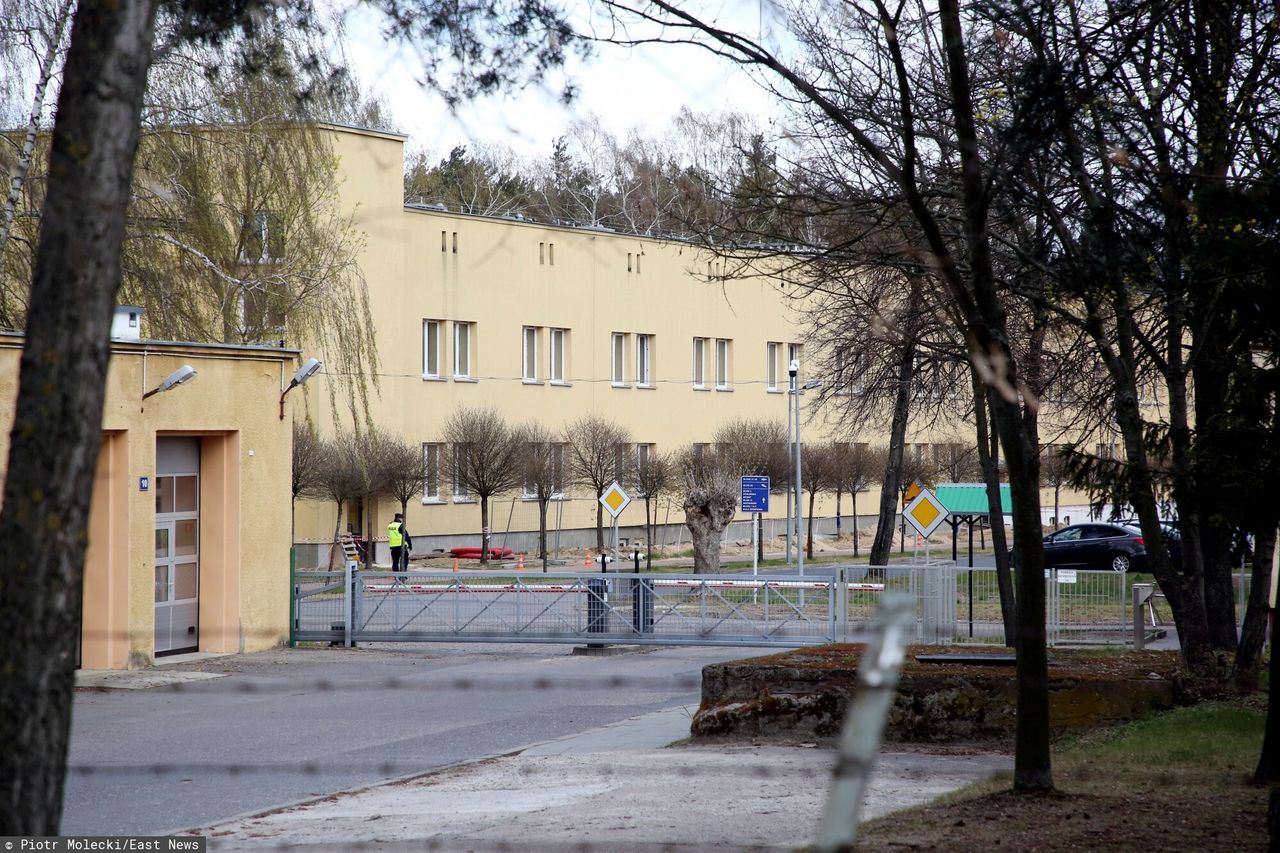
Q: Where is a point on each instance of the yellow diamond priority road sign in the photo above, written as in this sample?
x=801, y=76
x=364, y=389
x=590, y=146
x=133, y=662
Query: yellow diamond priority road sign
x=614, y=499
x=925, y=513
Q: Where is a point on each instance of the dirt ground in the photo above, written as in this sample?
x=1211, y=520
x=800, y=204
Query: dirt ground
x=1118, y=807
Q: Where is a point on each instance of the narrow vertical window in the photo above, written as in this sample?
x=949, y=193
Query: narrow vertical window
x=444, y=241
x=460, y=490
x=628, y=262
x=455, y=242
x=462, y=350
x=644, y=352
x=557, y=469
x=542, y=253
x=640, y=255
x=771, y=366
x=430, y=349
x=619, y=358
x=699, y=362
x=530, y=342
x=722, y=363
x=551, y=254
x=557, y=354
x=431, y=461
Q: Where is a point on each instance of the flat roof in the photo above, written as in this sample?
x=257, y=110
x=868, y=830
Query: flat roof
x=144, y=343
x=970, y=498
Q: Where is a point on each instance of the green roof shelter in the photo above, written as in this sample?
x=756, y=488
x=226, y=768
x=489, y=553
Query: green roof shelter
x=966, y=503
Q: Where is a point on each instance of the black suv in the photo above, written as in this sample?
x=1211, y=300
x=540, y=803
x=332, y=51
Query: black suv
x=1096, y=545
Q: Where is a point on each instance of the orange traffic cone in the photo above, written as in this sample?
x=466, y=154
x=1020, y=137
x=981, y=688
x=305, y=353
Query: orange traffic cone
x=587, y=560
x=455, y=564
x=520, y=563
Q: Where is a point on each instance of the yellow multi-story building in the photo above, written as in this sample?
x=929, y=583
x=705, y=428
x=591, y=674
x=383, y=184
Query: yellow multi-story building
x=549, y=323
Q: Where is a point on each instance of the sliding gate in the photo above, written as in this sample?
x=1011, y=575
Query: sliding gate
x=575, y=608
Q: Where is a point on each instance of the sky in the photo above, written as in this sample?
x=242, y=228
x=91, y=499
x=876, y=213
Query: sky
x=641, y=87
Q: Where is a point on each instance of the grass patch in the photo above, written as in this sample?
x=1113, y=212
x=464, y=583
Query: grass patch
x=1177, y=781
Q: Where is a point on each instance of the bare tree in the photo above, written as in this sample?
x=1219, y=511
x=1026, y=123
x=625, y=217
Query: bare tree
x=854, y=468
x=710, y=502
x=1054, y=472
x=893, y=88
x=542, y=472
x=594, y=443
x=756, y=448
x=484, y=459
x=338, y=478
x=654, y=476
x=406, y=471
x=819, y=476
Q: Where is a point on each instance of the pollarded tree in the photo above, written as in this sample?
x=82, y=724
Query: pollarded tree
x=541, y=460
x=594, y=444
x=483, y=459
x=710, y=502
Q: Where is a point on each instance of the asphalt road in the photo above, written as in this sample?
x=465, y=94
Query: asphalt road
x=287, y=725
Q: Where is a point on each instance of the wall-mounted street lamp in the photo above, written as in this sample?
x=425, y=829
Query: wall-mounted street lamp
x=309, y=368
x=173, y=380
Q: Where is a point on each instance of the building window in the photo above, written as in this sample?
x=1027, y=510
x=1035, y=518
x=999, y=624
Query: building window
x=455, y=242
x=557, y=469
x=638, y=257
x=444, y=242
x=619, y=358
x=551, y=254
x=530, y=341
x=1106, y=451
x=430, y=349
x=542, y=253
x=699, y=362
x=722, y=363
x=462, y=350
x=460, y=490
x=559, y=337
x=644, y=355
x=772, y=351
x=261, y=238
x=431, y=460
x=620, y=460
x=644, y=455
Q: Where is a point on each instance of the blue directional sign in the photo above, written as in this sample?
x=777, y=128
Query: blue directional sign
x=755, y=494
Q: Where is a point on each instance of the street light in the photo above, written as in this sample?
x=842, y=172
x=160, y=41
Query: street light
x=309, y=368
x=173, y=380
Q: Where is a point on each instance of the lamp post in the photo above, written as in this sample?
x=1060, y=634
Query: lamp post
x=798, y=390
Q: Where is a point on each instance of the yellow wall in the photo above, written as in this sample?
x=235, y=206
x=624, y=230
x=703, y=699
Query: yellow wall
x=232, y=404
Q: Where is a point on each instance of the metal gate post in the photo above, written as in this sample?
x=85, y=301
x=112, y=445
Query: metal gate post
x=1141, y=595
x=348, y=601
x=840, y=597
x=293, y=597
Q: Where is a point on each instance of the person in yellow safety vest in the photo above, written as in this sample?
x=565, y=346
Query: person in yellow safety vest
x=401, y=544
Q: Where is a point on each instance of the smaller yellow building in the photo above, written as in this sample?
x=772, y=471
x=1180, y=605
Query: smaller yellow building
x=189, y=530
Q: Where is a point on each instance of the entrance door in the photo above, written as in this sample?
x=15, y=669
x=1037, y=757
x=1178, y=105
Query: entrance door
x=177, y=551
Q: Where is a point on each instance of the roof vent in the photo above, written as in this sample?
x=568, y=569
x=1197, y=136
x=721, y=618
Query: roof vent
x=126, y=325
